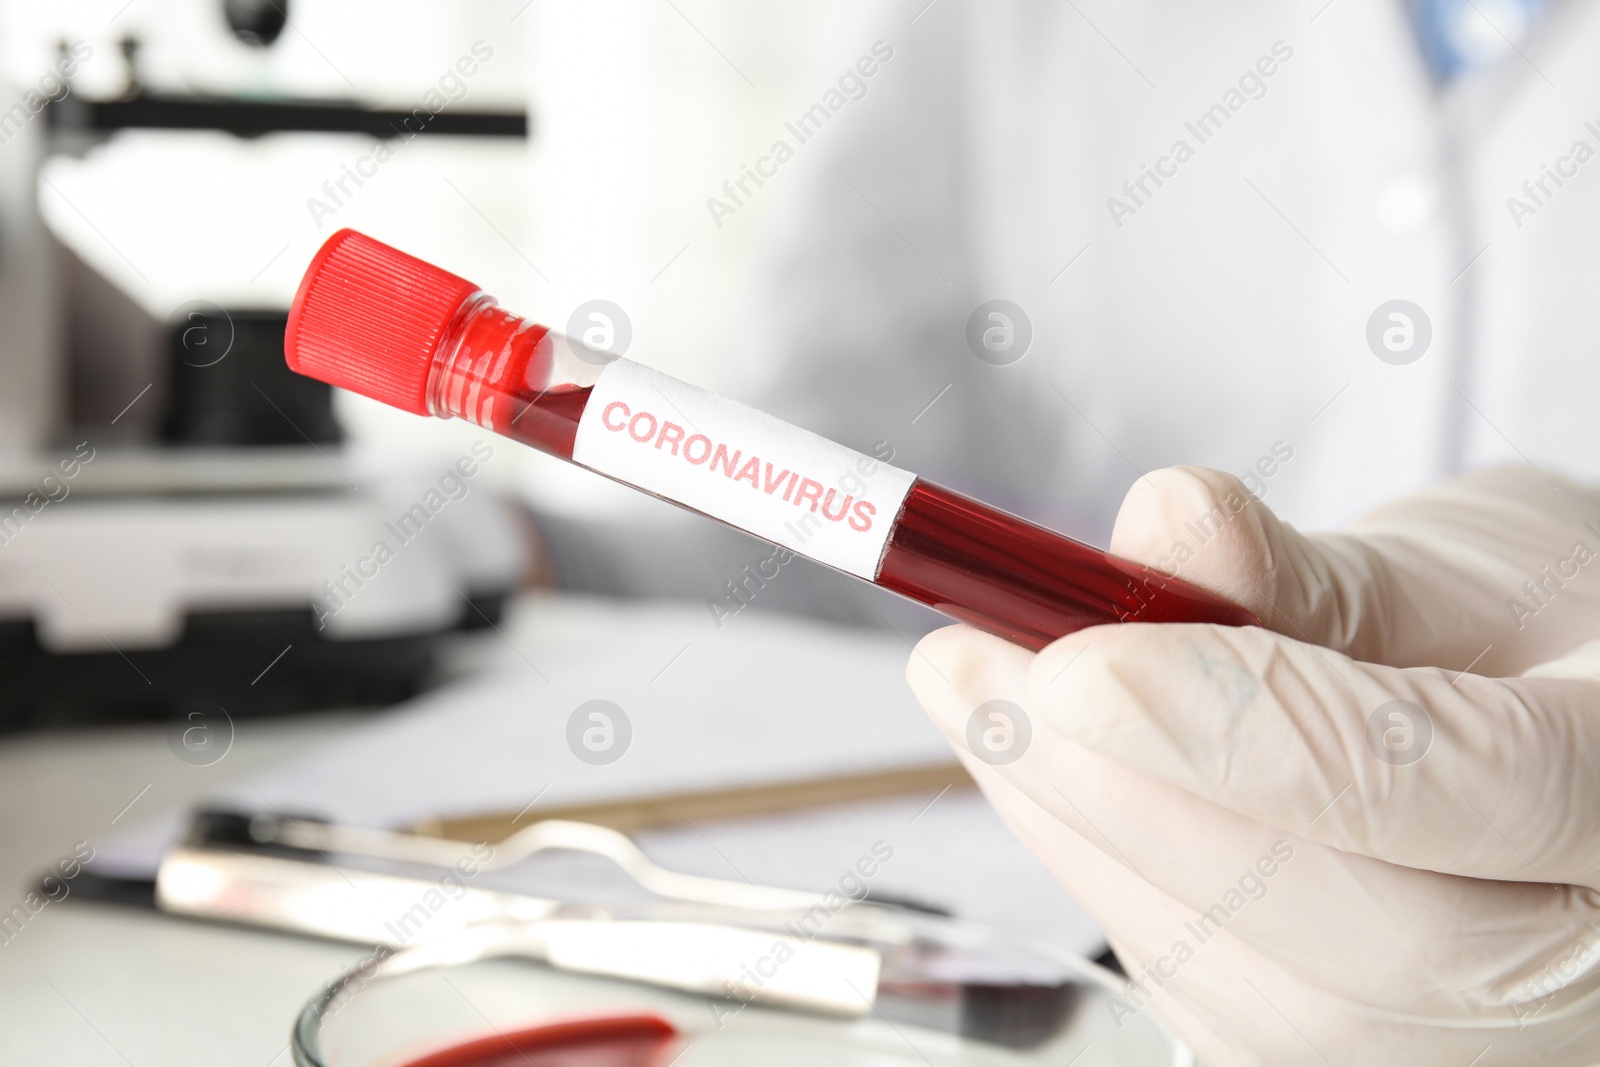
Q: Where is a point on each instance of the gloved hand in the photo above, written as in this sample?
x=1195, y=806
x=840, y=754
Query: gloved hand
x=1368, y=833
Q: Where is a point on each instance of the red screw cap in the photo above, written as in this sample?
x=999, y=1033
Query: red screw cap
x=368, y=318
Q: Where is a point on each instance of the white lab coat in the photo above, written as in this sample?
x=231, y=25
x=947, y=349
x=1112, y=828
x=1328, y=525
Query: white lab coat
x=1224, y=321
x=1228, y=313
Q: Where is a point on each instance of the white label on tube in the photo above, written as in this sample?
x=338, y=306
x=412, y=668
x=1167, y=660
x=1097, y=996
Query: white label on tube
x=742, y=466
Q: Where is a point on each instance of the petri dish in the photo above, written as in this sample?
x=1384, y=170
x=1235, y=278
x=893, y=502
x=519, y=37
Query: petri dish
x=471, y=1001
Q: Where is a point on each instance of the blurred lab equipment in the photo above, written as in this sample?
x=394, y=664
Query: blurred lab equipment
x=181, y=530
x=312, y=878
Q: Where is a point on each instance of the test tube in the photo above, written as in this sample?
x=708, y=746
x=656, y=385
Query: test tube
x=385, y=324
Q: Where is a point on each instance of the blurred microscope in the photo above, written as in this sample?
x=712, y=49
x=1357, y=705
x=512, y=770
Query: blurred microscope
x=182, y=525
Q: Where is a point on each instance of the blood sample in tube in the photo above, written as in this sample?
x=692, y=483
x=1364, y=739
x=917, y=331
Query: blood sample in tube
x=375, y=320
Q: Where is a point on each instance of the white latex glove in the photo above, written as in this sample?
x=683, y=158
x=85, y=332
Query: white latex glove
x=1293, y=868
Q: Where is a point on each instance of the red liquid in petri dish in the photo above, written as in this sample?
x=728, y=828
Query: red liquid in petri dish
x=970, y=561
x=625, y=1041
